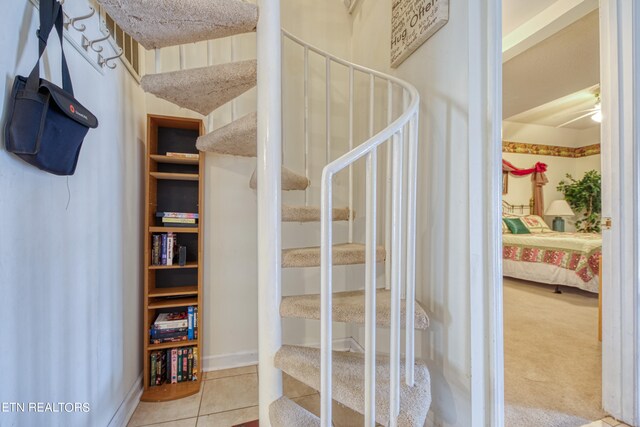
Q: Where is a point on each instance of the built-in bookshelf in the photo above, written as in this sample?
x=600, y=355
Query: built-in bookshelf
x=173, y=259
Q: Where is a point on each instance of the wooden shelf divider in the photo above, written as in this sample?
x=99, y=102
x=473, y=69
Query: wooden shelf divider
x=176, y=176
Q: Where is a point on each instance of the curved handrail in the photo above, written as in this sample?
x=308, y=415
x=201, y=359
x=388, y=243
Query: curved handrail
x=400, y=221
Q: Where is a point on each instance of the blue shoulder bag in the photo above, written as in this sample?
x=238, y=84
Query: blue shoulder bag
x=45, y=124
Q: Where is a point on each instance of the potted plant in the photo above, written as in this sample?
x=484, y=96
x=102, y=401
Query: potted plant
x=584, y=197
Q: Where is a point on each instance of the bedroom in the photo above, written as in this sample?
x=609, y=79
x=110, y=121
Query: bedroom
x=551, y=129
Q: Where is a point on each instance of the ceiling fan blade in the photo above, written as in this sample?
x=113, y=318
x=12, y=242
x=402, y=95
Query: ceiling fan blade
x=594, y=109
x=576, y=119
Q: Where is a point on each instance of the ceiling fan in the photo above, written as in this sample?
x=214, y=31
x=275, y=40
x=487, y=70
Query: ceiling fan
x=595, y=113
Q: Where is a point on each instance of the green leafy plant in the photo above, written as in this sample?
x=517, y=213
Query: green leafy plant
x=584, y=197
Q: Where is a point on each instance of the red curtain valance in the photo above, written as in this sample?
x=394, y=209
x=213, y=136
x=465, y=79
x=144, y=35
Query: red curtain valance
x=538, y=178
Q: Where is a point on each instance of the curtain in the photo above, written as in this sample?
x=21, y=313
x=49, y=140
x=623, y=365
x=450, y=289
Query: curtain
x=538, y=180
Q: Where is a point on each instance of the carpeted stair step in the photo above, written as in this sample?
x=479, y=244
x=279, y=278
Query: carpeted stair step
x=290, y=180
x=343, y=254
x=238, y=138
x=203, y=89
x=303, y=364
x=156, y=24
x=286, y=413
x=349, y=307
x=293, y=213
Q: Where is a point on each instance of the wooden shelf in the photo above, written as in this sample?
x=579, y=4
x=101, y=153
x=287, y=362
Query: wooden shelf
x=173, y=302
x=176, y=176
x=165, y=345
x=174, y=291
x=174, y=160
x=169, y=267
x=165, y=392
x=172, y=184
x=162, y=229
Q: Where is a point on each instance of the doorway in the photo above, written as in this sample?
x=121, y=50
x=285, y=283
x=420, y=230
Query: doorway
x=620, y=91
x=551, y=239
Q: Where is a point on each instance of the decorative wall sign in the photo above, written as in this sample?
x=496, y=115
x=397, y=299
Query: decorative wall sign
x=412, y=23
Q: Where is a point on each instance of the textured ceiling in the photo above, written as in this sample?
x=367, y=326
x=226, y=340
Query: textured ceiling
x=563, y=64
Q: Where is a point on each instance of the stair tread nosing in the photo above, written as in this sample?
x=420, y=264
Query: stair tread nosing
x=343, y=254
x=289, y=180
x=349, y=307
x=203, y=89
x=156, y=24
x=303, y=364
x=238, y=138
x=296, y=213
x=286, y=413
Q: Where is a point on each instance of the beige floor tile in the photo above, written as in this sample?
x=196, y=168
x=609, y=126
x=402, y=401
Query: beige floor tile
x=226, y=394
x=153, y=413
x=189, y=422
x=222, y=373
x=611, y=421
x=229, y=418
x=598, y=423
x=342, y=416
x=294, y=388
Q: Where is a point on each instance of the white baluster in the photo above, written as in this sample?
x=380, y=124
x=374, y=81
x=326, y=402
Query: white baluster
x=370, y=290
x=326, y=290
x=351, y=102
x=412, y=177
x=396, y=274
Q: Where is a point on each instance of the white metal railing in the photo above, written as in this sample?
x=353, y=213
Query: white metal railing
x=401, y=136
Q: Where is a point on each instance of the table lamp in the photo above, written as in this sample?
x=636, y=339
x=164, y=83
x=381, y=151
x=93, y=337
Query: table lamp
x=559, y=208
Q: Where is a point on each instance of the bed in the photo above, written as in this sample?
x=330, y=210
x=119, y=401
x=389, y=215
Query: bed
x=545, y=256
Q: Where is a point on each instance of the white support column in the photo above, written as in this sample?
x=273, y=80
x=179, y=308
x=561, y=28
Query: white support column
x=269, y=202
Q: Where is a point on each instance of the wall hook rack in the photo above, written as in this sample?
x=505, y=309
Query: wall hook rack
x=102, y=61
x=86, y=43
x=79, y=27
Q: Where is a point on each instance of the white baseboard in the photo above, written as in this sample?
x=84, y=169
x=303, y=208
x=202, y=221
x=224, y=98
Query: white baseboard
x=128, y=405
x=230, y=360
x=248, y=358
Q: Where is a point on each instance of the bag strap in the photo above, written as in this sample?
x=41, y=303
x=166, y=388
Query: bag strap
x=50, y=14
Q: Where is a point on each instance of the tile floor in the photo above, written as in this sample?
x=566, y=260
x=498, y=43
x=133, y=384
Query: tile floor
x=606, y=422
x=229, y=397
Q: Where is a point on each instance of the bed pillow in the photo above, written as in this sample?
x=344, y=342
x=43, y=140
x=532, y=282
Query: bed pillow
x=535, y=224
x=505, y=229
x=516, y=226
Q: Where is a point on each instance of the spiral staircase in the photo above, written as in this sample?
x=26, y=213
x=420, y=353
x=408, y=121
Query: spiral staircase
x=368, y=383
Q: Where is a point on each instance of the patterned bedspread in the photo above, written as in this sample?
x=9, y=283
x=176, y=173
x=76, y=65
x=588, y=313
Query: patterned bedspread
x=578, y=252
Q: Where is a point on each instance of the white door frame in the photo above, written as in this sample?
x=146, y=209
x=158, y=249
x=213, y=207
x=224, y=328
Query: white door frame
x=619, y=75
x=620, y=87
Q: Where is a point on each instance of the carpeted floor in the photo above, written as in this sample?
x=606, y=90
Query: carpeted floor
x=552, y=356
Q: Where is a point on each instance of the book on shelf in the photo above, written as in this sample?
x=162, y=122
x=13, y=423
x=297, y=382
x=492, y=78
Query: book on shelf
x=173, y=365
x=163, y=248
x=155, y=250
x=170, y=220
x=171, y=320
x=185, y=215
x=183, y=155
x=190, y=322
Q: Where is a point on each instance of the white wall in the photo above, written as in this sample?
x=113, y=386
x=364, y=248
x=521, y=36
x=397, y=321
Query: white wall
x=230, y=274
x=439, y=72
x=70, y=276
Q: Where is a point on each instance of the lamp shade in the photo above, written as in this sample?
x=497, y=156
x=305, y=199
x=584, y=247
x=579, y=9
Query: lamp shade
x=559, y=208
